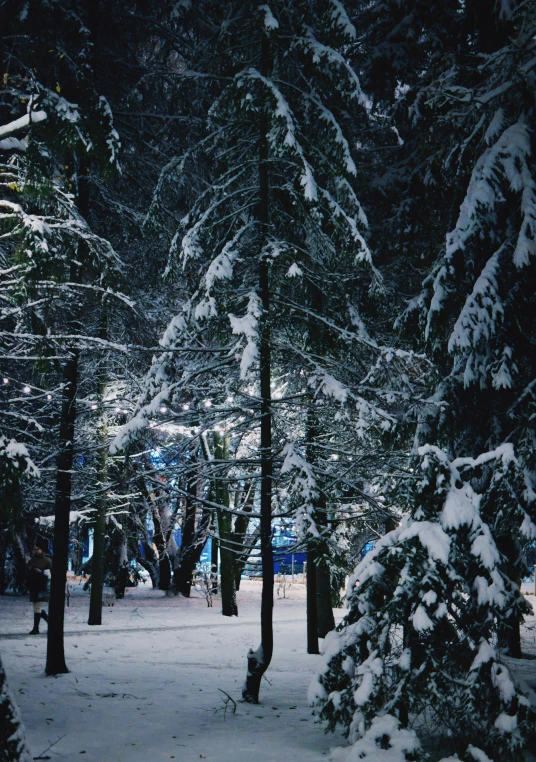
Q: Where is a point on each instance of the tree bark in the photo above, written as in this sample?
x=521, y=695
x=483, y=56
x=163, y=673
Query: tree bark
x=214, y=555
x=312, y=603
x=239, y=537
x=55, y=663
x=121, y=576
x=191, y=544
x=99, y=527
x=317, y=570
x=225, y=531
x=259, y=660
x=325, y=619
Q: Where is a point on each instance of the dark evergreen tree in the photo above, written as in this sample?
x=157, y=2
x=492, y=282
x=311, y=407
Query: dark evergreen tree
x=421, y=639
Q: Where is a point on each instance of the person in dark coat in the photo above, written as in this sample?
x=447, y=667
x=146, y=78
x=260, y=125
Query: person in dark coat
x=39, y=567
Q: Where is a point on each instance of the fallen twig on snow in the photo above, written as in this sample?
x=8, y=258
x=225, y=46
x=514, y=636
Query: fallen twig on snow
x=41, y=756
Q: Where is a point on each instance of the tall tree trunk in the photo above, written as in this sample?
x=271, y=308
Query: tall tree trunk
x=13, y=746
x=318, y=572
x=187, y=557
x=312, y=610
x=239, y=536
x=214, y=548
x=190, y=553
x=188, y=523
x=121, y=578
x=225, y=531
x=325, y=620
x=55, y=663
x=160, y=542
x=99, y=527
x=259, y=660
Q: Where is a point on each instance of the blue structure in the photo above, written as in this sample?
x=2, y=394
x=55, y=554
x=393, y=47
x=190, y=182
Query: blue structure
x=367, y=548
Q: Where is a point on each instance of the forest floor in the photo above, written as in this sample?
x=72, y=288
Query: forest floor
x=153, y=680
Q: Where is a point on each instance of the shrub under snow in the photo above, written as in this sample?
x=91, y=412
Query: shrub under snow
x=419, y=644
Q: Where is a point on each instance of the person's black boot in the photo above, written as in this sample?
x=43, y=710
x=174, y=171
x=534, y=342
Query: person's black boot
x=44, y=616
x=35, y=630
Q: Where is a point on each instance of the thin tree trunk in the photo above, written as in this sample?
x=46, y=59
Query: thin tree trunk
x=183, y=572
x=325, y=619
x=312, y=611
x=122, y=570
x=190, y=554
x=239, y=536
x=225, y=531
x=317, y=570
x=55, y=663
x=259, y=660
x=99, y=527
x=214, y=555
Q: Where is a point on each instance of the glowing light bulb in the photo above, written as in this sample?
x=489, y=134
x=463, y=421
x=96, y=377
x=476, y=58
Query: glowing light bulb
x=6, y=380
x=26, y=390
x=49, y=396
x=94, y=407
x=117, y=409
x=229, y=400
x=163, y=409
x=207, y=403
x=186, y=406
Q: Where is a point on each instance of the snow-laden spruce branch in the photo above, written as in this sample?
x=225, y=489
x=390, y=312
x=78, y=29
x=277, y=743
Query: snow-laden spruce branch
x=319, y=51
x=291, y=142
x=503, y=165
x=32, y=117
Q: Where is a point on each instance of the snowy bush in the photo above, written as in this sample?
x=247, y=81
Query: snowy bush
x=13, y=746
x=420, y=640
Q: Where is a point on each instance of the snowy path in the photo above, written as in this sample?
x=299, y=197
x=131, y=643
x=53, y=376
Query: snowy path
x=134, y=630
x=141, y=688
x=147, y=684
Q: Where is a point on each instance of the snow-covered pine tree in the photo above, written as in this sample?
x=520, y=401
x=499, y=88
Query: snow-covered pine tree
x=477, y=304
x=419, y=645
x=13, y=746
x=15, y=464
x=60, y=273
x=274, y=221
x=455, y=86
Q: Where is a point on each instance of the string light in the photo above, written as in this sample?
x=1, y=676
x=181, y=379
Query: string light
x=5, y=380
x=186, y=406
x=117, y=409
x=163, y=409
x=207, y=403
x=26, y=390
x=49, y=396
x=229, y=400
x=94, y=407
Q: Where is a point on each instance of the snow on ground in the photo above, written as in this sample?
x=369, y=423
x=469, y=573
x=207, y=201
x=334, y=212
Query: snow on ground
x=147, y=684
